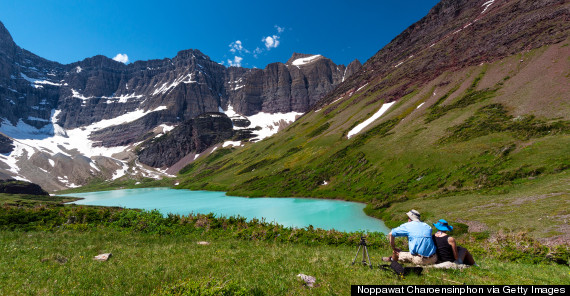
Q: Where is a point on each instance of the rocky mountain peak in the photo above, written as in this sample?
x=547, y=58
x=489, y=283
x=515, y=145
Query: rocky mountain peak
x=99, y=61
x=302, y=58
x=191, y=54
x=352, y=68
x=5, y=37
x=7, y=52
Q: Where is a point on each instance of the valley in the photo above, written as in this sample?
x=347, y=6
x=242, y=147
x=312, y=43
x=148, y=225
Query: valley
x=465, y=115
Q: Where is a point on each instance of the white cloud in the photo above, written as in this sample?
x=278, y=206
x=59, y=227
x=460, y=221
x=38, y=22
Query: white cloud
x=237, y=46
x=257, y=51
x=236, y=62
x=123, y=58
x=271, y=41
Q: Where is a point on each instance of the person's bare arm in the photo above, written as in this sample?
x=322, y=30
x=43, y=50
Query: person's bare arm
x=453, y=245
x=393, y=242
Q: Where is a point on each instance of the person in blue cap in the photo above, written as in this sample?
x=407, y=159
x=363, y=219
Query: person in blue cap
x=422, y=249
x=447, y=248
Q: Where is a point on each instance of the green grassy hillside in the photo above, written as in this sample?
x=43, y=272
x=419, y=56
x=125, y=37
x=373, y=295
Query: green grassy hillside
x=482, y=131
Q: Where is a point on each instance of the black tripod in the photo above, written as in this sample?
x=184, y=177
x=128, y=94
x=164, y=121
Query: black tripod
x=364, y=252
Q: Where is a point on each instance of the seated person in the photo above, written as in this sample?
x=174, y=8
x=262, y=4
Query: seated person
x=447, y=249
x=422, y=249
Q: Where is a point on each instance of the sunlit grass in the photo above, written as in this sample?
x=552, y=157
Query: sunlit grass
x=61, y=262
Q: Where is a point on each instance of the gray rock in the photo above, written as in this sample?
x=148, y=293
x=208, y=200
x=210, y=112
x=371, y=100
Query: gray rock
x=21, y=187
x=192, y=136
x=6, y=144
x=307, y=279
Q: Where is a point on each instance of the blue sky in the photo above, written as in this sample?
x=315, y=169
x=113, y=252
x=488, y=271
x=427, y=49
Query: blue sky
x=67, y=31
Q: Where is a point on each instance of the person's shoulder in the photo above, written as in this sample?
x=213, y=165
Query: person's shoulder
x=403, y=224
x=408, y=224
x=403, y=228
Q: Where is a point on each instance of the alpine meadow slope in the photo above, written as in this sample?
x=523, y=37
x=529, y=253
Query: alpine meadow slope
x=480, y=112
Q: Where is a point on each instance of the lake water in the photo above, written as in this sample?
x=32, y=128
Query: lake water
x=290, y=212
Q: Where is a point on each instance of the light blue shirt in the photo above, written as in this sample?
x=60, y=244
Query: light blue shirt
x=419, y=237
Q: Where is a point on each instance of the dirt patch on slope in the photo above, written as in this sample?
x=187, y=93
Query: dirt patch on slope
x=474, y=226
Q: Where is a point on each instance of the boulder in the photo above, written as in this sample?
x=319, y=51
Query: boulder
x=21, y=187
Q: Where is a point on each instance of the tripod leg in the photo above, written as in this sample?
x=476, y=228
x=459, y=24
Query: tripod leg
x=353, y=261
x=367, y=255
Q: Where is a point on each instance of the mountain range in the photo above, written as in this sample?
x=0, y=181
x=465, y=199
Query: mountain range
x=65, y=125
x=474, y=95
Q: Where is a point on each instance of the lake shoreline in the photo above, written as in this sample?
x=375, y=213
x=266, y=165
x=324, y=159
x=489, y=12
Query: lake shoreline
x=338, y=214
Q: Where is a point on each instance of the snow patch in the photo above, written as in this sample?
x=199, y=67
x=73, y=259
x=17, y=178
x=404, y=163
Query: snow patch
x=55, y=139
x=92, y=164
x=344, y=74
x=336, y=100
x=121, y=98
x=367, y=122
x=165, y=87
x=67, y=183
x=361, y=87
x=269, y=123
x=37, y=83
x=304, y=61
x=418, y=107
x=76, y=94
x=125, y=118
x=231, y=143
x=120, y=172
x=166, y=128
x=486, y=5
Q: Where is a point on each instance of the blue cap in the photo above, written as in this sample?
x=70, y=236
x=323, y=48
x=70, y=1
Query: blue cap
x=443, y=225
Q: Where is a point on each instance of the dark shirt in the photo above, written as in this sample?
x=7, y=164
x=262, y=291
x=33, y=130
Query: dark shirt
x=444, y=250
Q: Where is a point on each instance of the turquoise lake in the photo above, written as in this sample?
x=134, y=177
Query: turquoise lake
x=289, y=212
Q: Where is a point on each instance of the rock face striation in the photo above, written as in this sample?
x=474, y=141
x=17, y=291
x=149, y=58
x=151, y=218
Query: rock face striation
x=194, y=135
x=303, y=80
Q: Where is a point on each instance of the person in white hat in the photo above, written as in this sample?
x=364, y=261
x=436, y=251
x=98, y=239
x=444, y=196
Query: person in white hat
x=420, y=243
